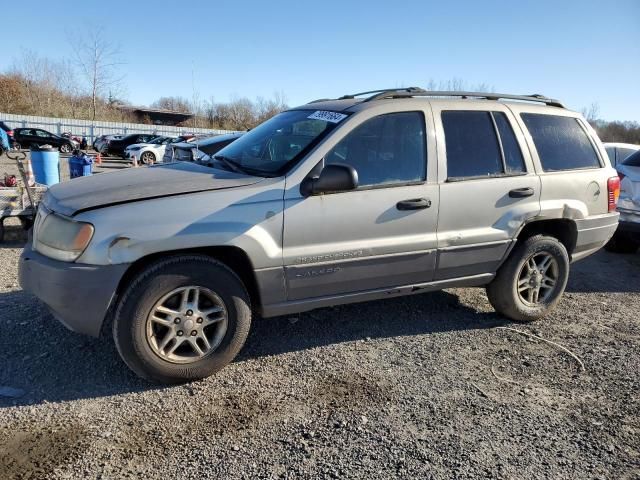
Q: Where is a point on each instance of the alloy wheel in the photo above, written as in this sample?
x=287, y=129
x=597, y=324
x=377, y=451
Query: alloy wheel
x=538, y=278
x=187, y=324
x=147, y=158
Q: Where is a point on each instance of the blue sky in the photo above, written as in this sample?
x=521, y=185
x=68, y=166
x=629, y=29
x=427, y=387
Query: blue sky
x=578, y=51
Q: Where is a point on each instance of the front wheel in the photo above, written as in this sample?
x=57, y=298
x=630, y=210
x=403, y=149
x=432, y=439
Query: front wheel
x=532, y=280
x=65, y=148
x=148, y=158
x=182, y=319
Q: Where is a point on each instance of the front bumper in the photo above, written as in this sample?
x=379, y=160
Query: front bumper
x=78, y=295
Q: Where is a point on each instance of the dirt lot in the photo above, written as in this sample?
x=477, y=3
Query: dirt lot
x=427, y=386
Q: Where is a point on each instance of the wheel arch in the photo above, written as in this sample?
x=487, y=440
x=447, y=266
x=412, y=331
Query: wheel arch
x=565, y=230
x=233, y=257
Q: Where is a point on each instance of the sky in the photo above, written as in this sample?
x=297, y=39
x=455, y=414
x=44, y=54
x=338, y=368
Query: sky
x=581, y=52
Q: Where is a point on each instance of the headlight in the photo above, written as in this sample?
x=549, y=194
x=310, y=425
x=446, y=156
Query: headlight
x=60, y=238
x=134, y=148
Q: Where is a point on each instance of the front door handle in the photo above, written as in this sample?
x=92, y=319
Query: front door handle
x=414, y=204
x=521, y=192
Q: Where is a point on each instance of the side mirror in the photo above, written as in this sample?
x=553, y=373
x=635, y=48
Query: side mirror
x=334, y=177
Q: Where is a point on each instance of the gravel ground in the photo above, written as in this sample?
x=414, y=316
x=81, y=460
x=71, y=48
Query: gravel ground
x=427, y=386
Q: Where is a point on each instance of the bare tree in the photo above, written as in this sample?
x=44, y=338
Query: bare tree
x=98, y=61
x=177, y=104
x=592, y=112
x=458, y=85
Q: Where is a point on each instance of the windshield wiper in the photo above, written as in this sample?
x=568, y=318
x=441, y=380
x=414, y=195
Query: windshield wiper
x=236, y=167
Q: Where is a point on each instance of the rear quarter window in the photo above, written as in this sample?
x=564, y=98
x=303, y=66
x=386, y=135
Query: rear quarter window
x=561, y=142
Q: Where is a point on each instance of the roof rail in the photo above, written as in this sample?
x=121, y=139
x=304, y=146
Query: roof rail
x=381, y=92
x=418, y=92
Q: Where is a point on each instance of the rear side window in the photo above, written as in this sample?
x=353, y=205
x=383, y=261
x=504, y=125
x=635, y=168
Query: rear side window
x=632, y=160
x=611, y=153
x=624, y=153
x=561, y=142
x=514, y=163
x=480, y=144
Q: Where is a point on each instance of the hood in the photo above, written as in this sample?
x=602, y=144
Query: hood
x=135, y=184
x=184, y=145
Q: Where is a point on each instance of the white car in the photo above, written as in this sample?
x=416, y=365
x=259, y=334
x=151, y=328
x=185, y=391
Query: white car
x=148, y=153
x=619, y=151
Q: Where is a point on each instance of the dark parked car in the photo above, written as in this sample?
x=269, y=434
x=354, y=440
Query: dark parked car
x=184, y=151
x=26, y=137
x=117, y=146
x=100, y=142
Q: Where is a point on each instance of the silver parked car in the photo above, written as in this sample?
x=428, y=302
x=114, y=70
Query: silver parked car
x=627, y=236
x=370, y=196
x=196, y=149
x=617, y=152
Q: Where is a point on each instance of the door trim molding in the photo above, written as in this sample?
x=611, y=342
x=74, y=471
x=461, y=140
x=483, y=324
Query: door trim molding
x=298, y=306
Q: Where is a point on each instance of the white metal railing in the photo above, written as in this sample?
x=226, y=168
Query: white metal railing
x=91, y=130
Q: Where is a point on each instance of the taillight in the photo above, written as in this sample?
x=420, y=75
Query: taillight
x=613, y=191
x=10, y=133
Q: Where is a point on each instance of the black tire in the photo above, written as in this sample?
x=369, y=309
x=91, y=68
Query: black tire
x=622, y=243
x=503, y=290
x=148, y=158
x=66, y=148
x=156, y=281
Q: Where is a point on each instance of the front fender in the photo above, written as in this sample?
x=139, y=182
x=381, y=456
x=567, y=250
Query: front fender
x=250, y=218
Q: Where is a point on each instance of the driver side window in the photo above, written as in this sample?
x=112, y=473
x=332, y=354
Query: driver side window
x=385, y=150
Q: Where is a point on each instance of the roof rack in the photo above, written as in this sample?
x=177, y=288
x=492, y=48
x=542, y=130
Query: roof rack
x=419, y=92
x=382, y=91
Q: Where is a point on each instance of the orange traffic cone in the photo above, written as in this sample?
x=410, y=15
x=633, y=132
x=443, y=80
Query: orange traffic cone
x=98, y=159
x=29, y=174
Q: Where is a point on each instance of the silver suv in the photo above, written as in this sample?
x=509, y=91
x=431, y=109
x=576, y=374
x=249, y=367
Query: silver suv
x=368, y=196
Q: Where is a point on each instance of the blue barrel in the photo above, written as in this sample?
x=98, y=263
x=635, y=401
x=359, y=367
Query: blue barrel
x=80, y=166
x=45, y=162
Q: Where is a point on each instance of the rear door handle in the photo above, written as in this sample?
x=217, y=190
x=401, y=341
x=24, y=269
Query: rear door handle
x=521, y=192
x=414, y=204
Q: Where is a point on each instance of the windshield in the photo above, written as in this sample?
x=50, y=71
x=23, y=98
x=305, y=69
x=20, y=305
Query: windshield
x=275, y=145
x=157, y=140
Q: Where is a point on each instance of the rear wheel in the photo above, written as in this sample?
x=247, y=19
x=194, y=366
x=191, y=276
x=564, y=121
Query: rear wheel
x=622, y=242
x=531, y=282
x=65, y=148
x=182, y=319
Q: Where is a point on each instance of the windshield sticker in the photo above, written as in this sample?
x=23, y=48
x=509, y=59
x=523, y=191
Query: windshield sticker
x=333, y=117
